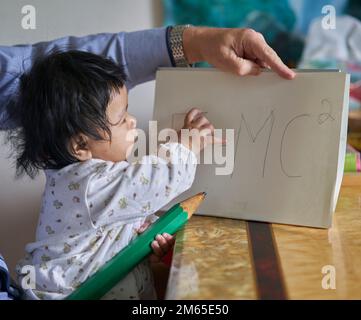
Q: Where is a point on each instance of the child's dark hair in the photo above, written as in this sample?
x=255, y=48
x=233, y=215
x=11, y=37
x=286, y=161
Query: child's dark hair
x=63, y=95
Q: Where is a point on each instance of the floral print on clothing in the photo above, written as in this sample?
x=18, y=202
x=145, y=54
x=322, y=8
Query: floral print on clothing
x=90, y=211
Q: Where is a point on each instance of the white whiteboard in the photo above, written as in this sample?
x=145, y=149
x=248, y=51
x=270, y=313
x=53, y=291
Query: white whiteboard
x=290, y=141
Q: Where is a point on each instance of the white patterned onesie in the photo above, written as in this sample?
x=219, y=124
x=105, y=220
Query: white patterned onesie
x=91, y=210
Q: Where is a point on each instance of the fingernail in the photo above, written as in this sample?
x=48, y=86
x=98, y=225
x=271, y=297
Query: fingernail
x=167, y=235
x=158, y=237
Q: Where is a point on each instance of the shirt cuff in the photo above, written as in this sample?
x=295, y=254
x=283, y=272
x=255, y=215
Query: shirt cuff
x=145, y=52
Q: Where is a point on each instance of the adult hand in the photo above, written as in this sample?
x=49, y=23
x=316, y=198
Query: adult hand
x=239, y=51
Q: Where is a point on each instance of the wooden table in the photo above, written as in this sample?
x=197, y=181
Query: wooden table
x=216, y=258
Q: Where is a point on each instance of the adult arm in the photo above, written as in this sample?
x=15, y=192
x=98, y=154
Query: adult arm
x=140, y=52
x=240, y=51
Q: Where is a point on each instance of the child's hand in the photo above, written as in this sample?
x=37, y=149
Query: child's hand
x=195, y=119
x=160, y=245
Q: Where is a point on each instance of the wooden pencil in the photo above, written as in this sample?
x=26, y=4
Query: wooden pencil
x=119, y=266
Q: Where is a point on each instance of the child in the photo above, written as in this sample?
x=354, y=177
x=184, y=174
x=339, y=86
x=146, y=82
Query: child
x=74, y=124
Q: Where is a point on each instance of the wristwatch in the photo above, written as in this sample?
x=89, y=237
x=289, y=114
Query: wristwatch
x=176, y=45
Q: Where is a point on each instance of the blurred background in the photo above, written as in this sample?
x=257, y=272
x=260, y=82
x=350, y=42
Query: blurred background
x=294, y=28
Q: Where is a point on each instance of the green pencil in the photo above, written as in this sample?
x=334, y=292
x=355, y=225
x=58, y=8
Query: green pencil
x=118, y=267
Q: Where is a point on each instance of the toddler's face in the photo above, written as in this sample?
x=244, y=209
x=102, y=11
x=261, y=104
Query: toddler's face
x=121, y=127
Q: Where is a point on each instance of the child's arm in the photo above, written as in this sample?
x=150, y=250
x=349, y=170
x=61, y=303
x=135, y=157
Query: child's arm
x=133, y=191
x=123, y=191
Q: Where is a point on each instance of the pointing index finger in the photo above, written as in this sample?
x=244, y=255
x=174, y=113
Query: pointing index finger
x=266, y=54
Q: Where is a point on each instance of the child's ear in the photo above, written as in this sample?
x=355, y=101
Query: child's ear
x=79, y=148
